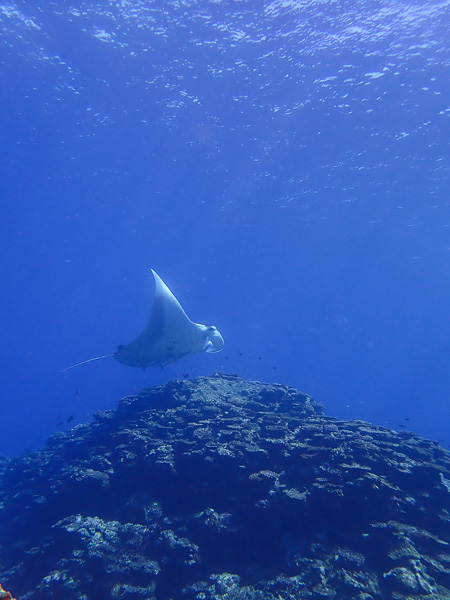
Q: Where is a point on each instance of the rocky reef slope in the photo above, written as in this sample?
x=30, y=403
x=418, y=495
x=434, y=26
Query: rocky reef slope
x=230, y=489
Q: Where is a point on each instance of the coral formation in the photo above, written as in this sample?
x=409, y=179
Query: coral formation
x=231, y=489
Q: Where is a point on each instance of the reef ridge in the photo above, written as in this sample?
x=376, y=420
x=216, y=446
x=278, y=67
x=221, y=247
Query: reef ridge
x=221, y=488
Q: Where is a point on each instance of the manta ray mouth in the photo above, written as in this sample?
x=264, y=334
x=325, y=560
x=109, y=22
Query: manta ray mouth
x=215, y=340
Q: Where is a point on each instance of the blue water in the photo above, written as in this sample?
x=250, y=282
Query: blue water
x=284, y=166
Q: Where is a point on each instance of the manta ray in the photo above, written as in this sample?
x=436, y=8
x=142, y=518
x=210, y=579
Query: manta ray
x=168, y=336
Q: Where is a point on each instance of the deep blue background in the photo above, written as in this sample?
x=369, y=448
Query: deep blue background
x=284, y=167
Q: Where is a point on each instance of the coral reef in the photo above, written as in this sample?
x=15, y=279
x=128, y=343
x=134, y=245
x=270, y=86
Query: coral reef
x=220, y=488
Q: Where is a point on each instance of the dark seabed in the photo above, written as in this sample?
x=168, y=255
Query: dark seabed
x=221, y=488
x=284, y=167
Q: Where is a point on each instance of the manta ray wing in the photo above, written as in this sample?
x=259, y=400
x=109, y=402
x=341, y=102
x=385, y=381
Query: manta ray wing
x=168, y=335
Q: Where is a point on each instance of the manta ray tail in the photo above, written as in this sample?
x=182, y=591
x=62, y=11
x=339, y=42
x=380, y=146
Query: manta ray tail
x=83, y=362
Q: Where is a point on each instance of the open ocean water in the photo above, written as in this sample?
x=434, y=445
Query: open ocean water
x=284, y=167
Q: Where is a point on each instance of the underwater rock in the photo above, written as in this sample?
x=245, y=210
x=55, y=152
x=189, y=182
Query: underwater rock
x=225, y=488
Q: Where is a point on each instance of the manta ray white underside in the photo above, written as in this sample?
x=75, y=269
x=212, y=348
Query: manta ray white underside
x=168, y=335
